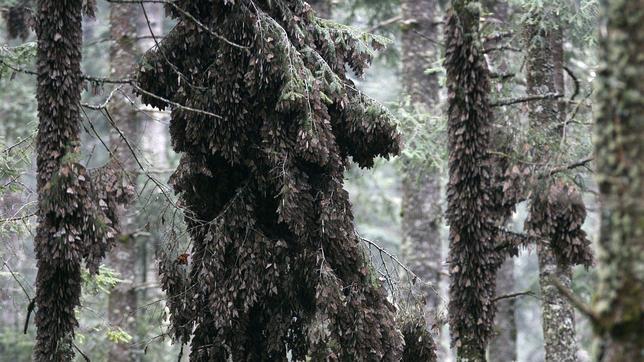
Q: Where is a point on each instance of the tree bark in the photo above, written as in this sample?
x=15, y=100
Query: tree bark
x=421, y=211
x=620, y=166
x=545, y=75
x=503, y=346
x=122, y=302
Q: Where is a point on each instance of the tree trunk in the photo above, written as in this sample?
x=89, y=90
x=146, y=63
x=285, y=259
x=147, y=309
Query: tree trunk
x=57, y=243
x=421, y=211
x=503, y=346
x=545, y=75
x=620, y=166
x=122, y=303
x=473, y=260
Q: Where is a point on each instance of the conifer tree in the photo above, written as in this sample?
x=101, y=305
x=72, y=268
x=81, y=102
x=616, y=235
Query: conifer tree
x=420, y=209
x=557, y=211
x=76, y=219
x=122, y=300
x=266, y=119
x=473, y=259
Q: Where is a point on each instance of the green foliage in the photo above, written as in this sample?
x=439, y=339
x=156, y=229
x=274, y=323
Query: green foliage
x=578, y=17
x=118, y=335
x=101, y=282
x=12, y=58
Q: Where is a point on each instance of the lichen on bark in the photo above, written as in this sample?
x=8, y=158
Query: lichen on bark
x=619, y=150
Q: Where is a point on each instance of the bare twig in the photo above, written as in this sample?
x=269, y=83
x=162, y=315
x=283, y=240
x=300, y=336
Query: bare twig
x=575, y=164
x=530, y=98
x=32, y=302
x=384, y=23
x=186, y=14
x=502, y=48
x=81, y=353
x=575, y=81
x=514, y=295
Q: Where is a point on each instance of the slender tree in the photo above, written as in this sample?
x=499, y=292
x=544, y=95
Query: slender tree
x=555, y=205
x=503, y=346
x=618, y=307
x=265, y=118
x=76, y=219
x=421, y=211
x=58, y=238
x=122, y=302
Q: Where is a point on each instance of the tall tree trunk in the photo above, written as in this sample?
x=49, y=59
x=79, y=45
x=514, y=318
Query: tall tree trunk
x=156, y=141
x=545, y=75
x=620, y=165
x=473, y=260
x=421, y=211
x=122, y=303
x=57, y=243
x=503, y=346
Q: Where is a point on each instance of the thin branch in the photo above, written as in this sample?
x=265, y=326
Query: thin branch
x=502, y=48
x=104, y=104
x=184, y=13
x=497, y=36
x=32, y=302
x=514, y=295
x=575, y=164
x=575, y=81
x=81, y=353
x=530, y=98
x=18, y=218
x=502, y=76
x=575, y=300
x=175, y=104
x=384, y=23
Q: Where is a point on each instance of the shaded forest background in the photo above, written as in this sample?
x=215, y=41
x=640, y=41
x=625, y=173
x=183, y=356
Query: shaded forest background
x=398, y=204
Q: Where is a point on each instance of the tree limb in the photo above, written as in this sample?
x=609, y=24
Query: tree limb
x=530, y=98
x=514, y=295
x=575, y=300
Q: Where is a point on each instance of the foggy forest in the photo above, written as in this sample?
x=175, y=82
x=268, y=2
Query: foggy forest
x=331, y=180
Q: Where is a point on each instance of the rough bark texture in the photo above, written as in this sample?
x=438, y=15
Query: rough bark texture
x=122, y=302
x=619, y=302
x=503, y=346
x=545, y=75
x=421, y=211
x=473, y=260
